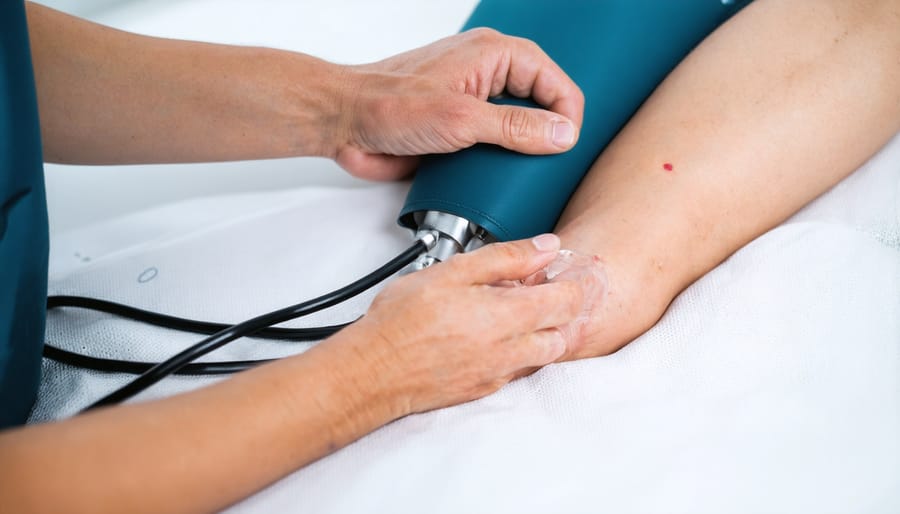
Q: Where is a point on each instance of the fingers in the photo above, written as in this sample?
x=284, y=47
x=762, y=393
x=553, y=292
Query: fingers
x=524, y=70
x=522, y=129
x=504, y=261
x=532, y=73
x=542, y=306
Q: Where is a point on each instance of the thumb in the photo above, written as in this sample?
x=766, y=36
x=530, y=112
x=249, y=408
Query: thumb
x=524, y=129
x=505, y=261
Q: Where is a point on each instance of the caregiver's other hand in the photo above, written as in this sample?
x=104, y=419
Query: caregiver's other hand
x=433, y=100
x=454, y=332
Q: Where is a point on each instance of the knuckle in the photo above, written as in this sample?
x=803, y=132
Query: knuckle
x=484, y=35
x=579, y=95
x=528, y=46
x=533, y=47
x=517, y=126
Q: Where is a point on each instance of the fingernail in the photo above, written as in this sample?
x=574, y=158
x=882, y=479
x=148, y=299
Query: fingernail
x=563, y=134
x=546, y=242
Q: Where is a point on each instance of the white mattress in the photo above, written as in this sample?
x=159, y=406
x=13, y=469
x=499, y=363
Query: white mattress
x=771, y=385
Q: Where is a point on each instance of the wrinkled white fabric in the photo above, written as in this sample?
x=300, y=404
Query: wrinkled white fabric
x=772, y=384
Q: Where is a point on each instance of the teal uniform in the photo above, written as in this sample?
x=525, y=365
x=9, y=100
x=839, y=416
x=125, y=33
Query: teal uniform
x=24, y=236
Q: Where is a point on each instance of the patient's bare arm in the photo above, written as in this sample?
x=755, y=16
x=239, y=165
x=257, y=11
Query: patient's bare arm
x=769, y=112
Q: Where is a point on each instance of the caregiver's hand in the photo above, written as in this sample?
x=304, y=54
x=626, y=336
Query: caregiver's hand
x=451, y=333
x=433, y=100
x=111, y=97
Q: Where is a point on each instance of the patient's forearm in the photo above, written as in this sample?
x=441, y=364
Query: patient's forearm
x=769, y=112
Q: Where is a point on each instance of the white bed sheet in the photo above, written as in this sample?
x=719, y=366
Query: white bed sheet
x=772, y=384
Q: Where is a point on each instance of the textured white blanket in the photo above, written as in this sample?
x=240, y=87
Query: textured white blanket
x=771, y=385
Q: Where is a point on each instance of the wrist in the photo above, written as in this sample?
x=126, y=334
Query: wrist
x=364, y=97
x=362, y=395
x=316, y=99
x=632, y=261
x=338, y=110
x=640, y=287
x=370, y=361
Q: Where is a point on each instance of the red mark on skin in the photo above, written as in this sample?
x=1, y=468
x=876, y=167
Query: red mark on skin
x=668, y=167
